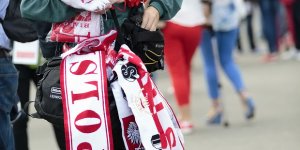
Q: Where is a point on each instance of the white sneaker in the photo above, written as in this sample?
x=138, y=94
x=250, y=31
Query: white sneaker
x=298, y=56
x=287, y=55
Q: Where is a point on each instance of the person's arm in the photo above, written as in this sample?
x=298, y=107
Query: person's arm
x=47, y=10
x=159, y=9
x=3, y=7
x=167, y=8
x=4, y=40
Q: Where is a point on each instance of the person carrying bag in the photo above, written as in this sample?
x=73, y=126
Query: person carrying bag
x=161, y=10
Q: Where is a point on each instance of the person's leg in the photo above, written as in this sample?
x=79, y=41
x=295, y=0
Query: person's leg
x=271, y=30
x=8, y=98
x=269, y=13
x=226, y=43
x=250, y=32
x=264, y=7
x=290, y=22
x=20, y=126
x=296, y=18
x=190, y=39
x=211, y=76
x=176, y=59
x=290, y=50
x=239, y=44
x=209, y=64
x=6, y=134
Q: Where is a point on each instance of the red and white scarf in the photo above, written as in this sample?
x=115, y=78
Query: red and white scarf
x=83, y=26
x=157, y=125
x=84, y=92
x=89, y=5
x=147, y=120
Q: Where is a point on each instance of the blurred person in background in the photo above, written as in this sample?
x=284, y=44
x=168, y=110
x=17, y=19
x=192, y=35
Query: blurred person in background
x=222, y=20
x=269, y=15
x=293, y=17
x=250, y=6
x=182, y=38
x=290, y=50
x=296, y=18
x=8, y=86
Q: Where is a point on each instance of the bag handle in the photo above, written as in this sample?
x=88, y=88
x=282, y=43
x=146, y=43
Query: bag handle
x=120, y=36
x=25, y=109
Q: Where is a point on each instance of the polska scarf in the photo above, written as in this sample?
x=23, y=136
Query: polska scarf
x=84, y=94
x=157, y=125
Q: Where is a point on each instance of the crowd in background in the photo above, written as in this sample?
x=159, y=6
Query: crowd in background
x=214, y=28
x=220, y=25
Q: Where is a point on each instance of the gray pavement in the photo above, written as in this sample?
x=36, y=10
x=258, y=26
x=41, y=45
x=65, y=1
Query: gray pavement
x=274, y=86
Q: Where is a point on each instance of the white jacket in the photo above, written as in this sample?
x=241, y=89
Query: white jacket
x=226, y=14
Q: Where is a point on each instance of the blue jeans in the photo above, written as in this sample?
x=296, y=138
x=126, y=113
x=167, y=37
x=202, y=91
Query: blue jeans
x=269, y=11
x=8, y=98
x=226, y=42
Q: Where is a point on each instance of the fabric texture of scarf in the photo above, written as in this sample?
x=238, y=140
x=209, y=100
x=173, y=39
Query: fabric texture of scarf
x=83, y=26
x=84, y=94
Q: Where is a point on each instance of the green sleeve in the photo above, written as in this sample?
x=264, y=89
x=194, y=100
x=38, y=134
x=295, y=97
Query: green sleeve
x=47, y=10
x=166, y=8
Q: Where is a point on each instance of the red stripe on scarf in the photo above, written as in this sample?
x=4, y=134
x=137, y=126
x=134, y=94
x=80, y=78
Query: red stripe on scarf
x=108, y=120
x=66, y=111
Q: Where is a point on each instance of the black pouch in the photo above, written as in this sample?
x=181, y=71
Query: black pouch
x=48, y=100
x=148, y=45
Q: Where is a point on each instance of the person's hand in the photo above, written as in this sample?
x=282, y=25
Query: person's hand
x=103, y=11
x=150, y=18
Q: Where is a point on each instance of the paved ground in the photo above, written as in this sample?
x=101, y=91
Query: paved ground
x=275, y=88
